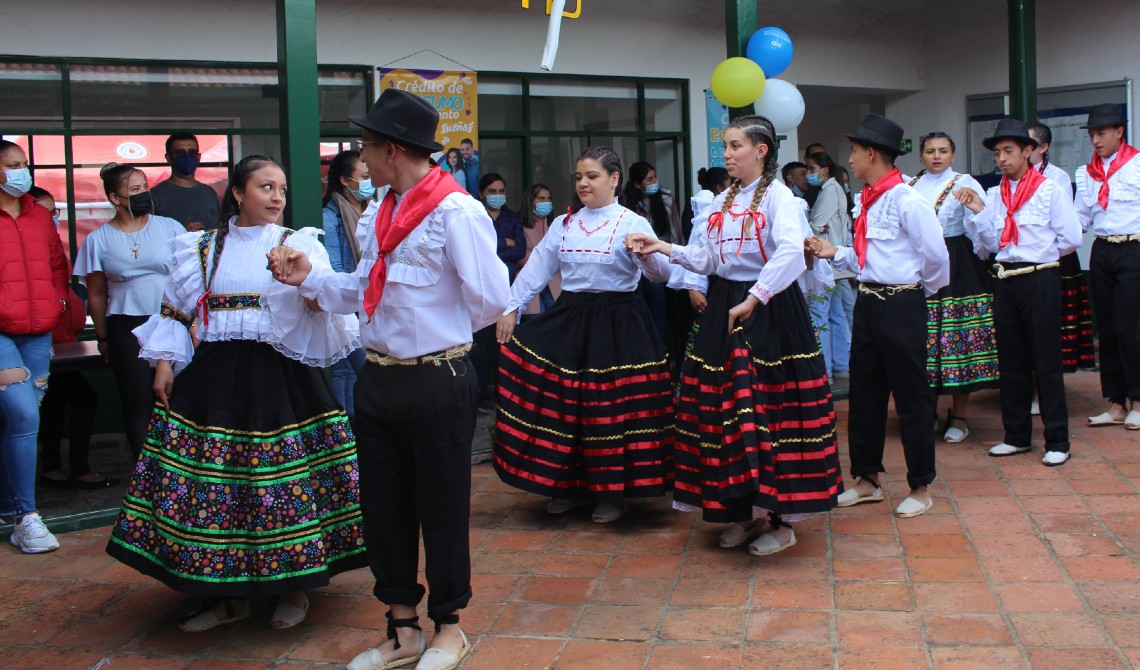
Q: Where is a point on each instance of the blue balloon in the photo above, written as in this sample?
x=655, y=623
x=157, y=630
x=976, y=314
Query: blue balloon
x=771, y=49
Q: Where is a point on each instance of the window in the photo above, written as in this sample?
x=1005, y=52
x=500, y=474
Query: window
x=533, y=127
x=73, y=117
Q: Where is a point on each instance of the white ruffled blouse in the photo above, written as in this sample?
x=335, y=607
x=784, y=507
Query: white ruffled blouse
x=243, y=301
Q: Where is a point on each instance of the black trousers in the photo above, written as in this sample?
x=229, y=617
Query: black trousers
x=888, y=356
x=1027, y=318
x=485, y=357
x=1114, y=272
x=67, y=388
x=414, y=426
x=133, y=376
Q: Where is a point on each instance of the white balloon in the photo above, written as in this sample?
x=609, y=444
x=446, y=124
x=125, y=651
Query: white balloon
x=782, y=104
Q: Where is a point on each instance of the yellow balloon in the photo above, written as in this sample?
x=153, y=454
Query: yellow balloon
x=737, y=82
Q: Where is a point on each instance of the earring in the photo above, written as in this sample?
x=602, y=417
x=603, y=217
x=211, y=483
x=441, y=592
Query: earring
x=239, y=205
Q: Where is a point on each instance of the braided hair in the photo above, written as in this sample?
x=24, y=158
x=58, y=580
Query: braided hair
x=759, y=130
x=1043, y=135
x=239, y=178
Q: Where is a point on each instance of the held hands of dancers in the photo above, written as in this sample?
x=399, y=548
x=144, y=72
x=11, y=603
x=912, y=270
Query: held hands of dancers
x=970, y=200
x=819, y=247
x=288, y=265
x=644, y=245
x=505, y=327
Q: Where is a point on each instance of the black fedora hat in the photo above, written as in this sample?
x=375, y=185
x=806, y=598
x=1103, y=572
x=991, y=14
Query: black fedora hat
x=1104, y=115
x=880, y=132
x=403, y=118
x=1009, y=129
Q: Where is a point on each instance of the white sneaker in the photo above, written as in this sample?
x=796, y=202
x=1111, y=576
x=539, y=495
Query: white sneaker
x=607, y=512
x=32, y=536
x=1054, y=458
x=1004, y=449
x=1034, y=408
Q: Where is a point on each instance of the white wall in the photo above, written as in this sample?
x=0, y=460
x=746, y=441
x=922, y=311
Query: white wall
x=927, y=56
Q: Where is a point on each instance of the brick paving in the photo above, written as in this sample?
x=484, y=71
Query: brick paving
x=1017, y=566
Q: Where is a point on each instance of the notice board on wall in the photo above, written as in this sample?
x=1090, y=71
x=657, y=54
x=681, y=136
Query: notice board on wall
x=1064, y=109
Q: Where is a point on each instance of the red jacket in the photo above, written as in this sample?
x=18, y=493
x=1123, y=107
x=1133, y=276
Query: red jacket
x=73, y=321
x=33, y=271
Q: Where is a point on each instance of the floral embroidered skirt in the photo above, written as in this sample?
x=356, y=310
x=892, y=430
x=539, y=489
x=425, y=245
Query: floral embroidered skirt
x=248, y=486
x=585, y=404
x=1077, y=351
x=961, y=347
x=756, y=428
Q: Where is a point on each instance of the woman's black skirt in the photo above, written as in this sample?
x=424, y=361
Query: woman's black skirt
x=961, y=352
x=247, y=487
x=755, y=421
x=585, y=405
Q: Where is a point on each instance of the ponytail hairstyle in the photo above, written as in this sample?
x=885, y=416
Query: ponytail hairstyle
x=759, y=130
x=342, y=165
x=710, y=178
x=936, y=135
x=114, y=175
x=658, y=216
x=1044, y=136
x=610, y=162
x=239, y=178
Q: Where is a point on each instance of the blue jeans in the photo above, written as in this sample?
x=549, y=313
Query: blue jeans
x=847, y=292
x=342, y=377
x=20, y=416
x=830, y=319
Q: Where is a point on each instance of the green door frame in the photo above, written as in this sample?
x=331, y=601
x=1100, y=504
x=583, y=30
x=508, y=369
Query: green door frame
x=740, y=18
x=1023, y=59
x=299, y=109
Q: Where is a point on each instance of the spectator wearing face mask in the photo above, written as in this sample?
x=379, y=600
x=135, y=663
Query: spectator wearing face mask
x=347, y=195
x=795, y=177
x=124, y=264
x=182, y=197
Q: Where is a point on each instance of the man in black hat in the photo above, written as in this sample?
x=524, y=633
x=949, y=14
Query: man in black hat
x=428, y=278
x=1108, y=204
x=901, y=259
x=1029, y=222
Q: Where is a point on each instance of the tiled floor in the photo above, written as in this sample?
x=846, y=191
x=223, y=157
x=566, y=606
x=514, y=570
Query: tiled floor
x=1017, y=566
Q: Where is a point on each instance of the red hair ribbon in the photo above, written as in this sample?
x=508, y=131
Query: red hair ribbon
x=716, y=223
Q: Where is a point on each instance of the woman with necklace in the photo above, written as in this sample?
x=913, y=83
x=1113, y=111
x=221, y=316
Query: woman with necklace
x=585, y=406
x=247, y=483
x=124, y=265
x=961, y=346
x=755, y=433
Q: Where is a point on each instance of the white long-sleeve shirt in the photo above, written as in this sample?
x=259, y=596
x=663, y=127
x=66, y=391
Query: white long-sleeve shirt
x=1123, y=215
x=244, y=302
x=780, y=235
x=904, y=243
x=1047, y=225
x=444, y=281
x=591, y=255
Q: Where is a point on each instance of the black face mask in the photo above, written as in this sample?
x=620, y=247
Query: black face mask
x=140, y=204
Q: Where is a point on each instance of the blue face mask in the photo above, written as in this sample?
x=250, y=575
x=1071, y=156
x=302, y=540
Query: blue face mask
x=815, y=179
x=796, y=190
x=56, y=219
x=185, y=164
x=543, y=208
x=366, y=190
x=847, y=188
x=653, y=188
x=18, y=182
x=496, y=200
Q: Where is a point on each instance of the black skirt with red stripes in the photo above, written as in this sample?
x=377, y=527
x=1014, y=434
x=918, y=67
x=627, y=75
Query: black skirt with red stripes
x=755, y=421
x=1077, y=350
x=585, y=403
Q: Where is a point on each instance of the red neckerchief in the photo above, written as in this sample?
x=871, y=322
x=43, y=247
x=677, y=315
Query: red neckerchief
x=1025, y=190
x=1096, y=171
x=418, y=202
x=867, y=198
x=716, y=225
